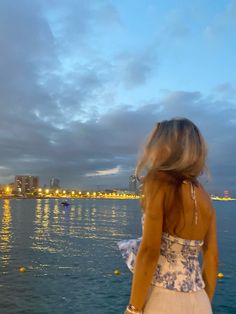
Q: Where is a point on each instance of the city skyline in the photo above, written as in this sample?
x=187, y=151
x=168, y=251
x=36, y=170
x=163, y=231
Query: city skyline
x=83, y=83
x=24, y=184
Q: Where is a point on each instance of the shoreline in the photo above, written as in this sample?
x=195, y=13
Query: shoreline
x=130, y=197
x=118, y=197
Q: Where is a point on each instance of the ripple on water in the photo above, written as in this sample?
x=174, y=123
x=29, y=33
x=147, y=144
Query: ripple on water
x=70, y=256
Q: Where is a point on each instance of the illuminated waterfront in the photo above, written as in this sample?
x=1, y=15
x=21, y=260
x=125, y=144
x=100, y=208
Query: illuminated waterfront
x=45, y=193
x=70, y=255
x=71, y=194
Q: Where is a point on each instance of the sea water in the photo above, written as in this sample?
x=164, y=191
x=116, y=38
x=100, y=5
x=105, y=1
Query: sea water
x=70, y=256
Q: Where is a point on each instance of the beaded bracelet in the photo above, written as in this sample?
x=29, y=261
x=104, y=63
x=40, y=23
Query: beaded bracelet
x=132, y=310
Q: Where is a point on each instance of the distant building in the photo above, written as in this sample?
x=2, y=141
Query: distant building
x=54, y=183
x=226, y=194
x=26, y=184
x=133, y=184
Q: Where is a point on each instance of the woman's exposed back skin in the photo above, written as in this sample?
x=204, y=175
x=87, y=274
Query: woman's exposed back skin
x=205, y=230
x=205, y=211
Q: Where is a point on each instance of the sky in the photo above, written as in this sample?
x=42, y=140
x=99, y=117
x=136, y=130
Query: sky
x=82, y=83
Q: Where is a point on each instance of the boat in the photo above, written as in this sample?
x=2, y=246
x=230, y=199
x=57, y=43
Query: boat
x=65, y=203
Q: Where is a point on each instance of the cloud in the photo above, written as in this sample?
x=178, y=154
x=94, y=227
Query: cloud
x=136, y=72
x=74, y=22
x=135, y=69
x=222, y=24
x=108, y=146
x=106, y=172
x=45, y=70
x=226, y=90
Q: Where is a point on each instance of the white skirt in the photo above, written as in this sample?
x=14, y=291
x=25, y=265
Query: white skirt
x=165, y=301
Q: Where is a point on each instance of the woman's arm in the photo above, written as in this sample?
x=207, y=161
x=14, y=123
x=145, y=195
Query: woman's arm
x=210, y=258
x=149, y=250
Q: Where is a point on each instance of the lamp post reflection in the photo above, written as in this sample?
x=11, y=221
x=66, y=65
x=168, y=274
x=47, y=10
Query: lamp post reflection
x=41, y=222
x=6, y=233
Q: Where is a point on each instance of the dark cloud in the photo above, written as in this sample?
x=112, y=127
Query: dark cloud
x=136, y=68
x=36, y=76
x=114, y=140
x=225, y=90
x=136, y=72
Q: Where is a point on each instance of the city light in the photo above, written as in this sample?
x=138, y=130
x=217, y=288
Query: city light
x=28, y=187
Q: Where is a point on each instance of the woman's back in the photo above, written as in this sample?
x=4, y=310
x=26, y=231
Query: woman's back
x=187, y=228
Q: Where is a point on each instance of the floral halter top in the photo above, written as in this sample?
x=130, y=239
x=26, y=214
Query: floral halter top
x=178, y=266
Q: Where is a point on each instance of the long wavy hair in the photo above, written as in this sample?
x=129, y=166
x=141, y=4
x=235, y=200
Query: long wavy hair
x=175, y=151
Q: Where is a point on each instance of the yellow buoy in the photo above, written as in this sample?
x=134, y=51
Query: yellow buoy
x=116, y=272
x=22, y=269
x=220, y=275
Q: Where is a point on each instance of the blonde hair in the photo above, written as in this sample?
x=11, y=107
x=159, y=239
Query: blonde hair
x=175, y=151
x=177, y=147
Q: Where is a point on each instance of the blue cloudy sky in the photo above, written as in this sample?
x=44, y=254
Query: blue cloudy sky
x=82, y=83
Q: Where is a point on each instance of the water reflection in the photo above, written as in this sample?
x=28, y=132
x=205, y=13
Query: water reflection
x=6, y=233
x=59, y=229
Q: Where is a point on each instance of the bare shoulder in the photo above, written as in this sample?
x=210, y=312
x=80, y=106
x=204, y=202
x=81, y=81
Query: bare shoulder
x=154, y=183
x=155, y=191
x=205, y=201
x=204, y=194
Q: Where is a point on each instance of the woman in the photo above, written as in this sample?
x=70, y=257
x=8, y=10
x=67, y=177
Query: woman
x=179, y=222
